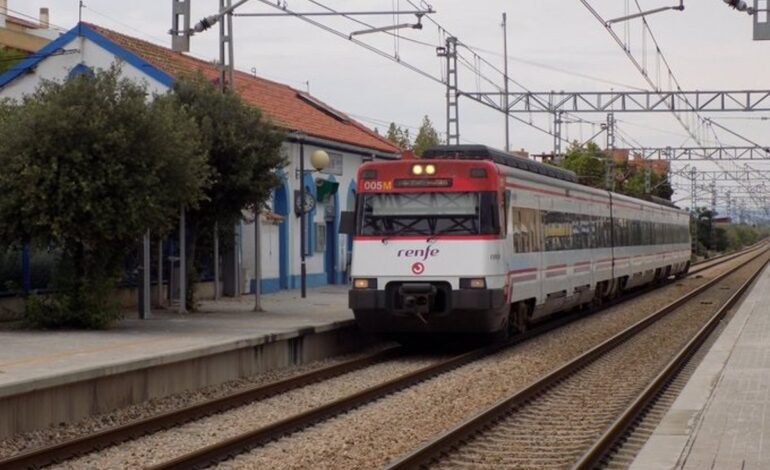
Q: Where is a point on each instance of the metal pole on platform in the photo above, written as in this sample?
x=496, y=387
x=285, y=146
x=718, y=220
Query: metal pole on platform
x=302, y=222
x=160, y=273
x=146, y=292
x=216, y=260
x=257, y=267
x=182, y=263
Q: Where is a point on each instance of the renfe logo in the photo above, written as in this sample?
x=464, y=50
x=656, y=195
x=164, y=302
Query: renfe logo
x=418, y=268
x=420, y=253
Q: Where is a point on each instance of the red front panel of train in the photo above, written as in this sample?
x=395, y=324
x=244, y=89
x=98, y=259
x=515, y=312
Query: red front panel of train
x=428, y=175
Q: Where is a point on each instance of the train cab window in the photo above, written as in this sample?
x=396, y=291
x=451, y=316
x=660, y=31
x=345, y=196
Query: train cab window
x=429, y=213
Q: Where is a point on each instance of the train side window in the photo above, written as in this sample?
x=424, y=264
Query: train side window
x=524, y=223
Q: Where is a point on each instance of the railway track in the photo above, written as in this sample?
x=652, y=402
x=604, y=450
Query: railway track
x=717, y=260
x=556, y=420
x=57, y=453
x=600, y=453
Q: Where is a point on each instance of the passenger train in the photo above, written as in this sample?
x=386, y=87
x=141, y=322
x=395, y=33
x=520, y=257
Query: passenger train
x=470, y=240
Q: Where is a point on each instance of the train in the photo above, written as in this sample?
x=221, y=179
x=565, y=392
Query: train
x=470, y=240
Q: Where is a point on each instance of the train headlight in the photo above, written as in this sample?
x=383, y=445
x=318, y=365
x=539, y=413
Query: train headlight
x=417, y=170
x=430, y=169
x=364, y=283
x=473, y=283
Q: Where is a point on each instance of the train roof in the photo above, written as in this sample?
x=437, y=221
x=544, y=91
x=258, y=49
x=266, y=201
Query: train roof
x=482, y=152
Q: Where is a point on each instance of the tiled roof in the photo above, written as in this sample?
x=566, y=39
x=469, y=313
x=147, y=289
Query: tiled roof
x=280, y=102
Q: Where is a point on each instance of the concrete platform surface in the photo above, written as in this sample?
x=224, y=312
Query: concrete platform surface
x=722, y=417
x=34, y=360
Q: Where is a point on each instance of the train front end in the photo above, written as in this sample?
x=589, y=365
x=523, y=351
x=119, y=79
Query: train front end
x=428, y=248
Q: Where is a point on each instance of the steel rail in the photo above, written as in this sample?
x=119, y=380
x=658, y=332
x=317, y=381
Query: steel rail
x=241, y=443
x=72, y=448
x=455, y=436
x=56, y=453
x=725, y=257
x=607, y=442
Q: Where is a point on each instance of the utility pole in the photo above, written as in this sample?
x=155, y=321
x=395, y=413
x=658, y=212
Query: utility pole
x=505, y=83
x=610, y=170
x=557, y=122
x=647, y=180
x=712, y=231
x=694, y=189
x=449, y=51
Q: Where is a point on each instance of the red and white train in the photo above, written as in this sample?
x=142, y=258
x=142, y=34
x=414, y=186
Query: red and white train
x=472, y=240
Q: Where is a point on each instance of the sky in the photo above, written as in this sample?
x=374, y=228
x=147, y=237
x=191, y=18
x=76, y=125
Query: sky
x=552, y=45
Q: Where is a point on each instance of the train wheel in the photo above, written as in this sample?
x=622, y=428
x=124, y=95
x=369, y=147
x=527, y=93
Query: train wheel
x=519, y=321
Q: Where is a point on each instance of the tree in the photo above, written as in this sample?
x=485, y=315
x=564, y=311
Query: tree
x=243, y=150
x=88, y=166
x=427, y=137
x=399, y=136
x=588, y=162
x=9, y=58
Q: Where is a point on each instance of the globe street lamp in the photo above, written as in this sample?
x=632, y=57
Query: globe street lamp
x=320, y=160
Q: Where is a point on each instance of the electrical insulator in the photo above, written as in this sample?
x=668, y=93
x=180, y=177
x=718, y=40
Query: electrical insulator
x=739, y=5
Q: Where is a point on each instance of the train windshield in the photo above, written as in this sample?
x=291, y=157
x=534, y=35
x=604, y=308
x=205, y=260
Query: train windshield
x=429, y=214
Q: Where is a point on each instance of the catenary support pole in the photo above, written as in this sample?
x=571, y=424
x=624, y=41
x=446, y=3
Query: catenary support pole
x=505, y=84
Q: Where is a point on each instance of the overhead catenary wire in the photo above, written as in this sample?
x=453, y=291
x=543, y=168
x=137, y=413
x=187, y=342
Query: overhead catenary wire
x=642, y=69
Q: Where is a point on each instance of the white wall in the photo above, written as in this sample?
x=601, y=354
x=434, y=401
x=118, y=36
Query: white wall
x=315, y=263
x=58, y=67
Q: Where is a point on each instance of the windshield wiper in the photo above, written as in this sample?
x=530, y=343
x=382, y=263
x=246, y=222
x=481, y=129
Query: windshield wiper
x=455, y=225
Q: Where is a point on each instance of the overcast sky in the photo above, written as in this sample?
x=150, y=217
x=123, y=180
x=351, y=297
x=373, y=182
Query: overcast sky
x=553, y=45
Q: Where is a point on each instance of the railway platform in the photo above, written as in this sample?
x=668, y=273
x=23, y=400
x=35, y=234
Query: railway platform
x=47, y=377
x=722, y=417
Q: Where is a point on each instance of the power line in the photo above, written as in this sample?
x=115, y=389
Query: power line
x=559, y=69
x=642, y=68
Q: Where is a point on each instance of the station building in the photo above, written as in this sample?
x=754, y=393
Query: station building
x=348, y=143
x=23, y=35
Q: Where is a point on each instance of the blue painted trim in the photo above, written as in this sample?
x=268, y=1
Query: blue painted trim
x=38, y=56
x=331, y=257
x=84, y=30
x=351, y=194
x=281, y=207
x=80, y=69
x=271, y=285
x=310, y=217
x=127, y=56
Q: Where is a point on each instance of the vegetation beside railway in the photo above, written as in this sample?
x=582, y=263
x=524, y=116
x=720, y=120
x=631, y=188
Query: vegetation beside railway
x=91, y=164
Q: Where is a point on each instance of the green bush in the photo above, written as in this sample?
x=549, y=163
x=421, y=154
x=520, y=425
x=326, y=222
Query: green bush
x=88, y=305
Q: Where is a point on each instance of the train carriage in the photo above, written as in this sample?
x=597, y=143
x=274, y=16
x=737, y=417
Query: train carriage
x=471, y=240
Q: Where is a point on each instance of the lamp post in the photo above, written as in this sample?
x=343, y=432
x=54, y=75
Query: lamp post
x=320, y=160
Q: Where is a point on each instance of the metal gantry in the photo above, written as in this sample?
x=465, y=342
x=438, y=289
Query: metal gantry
x=627, y=101
x=449, y=52
x=702, y=153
